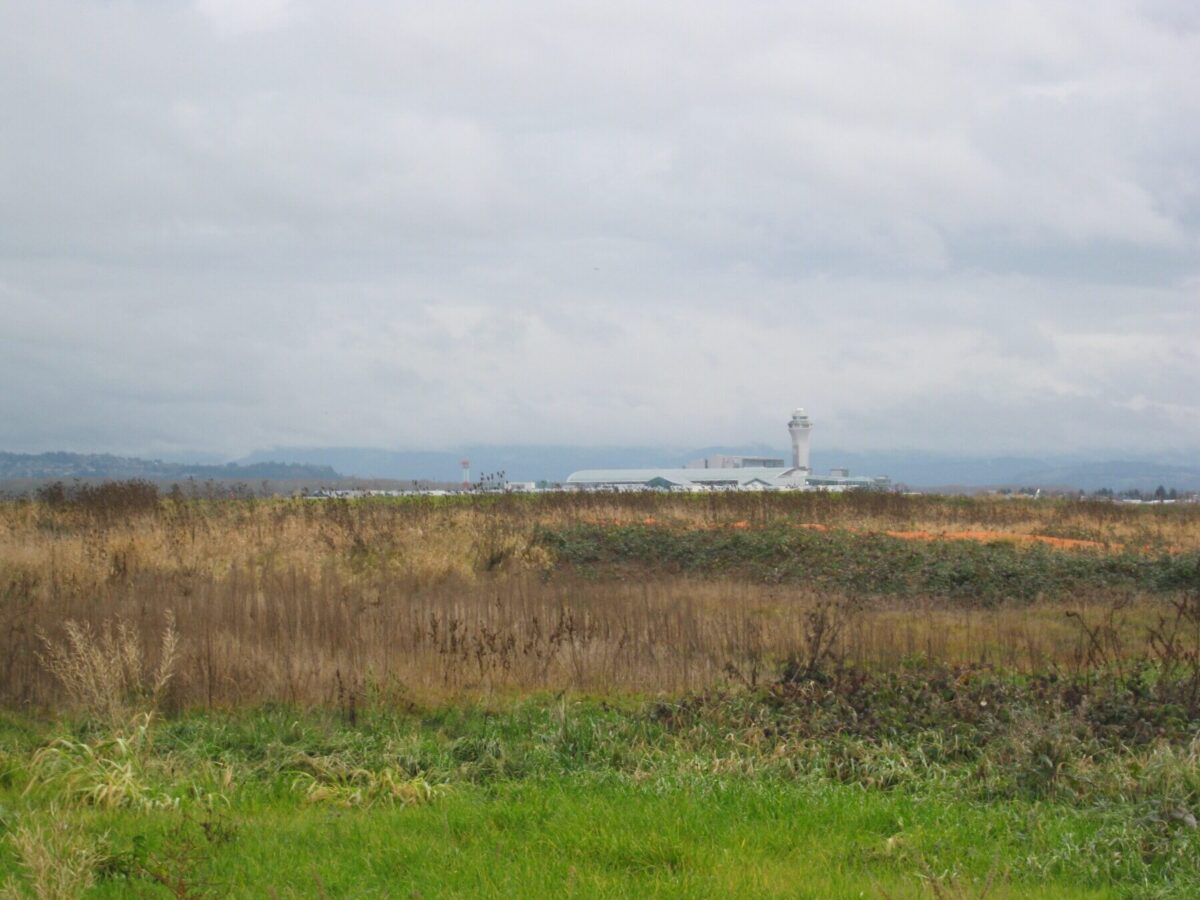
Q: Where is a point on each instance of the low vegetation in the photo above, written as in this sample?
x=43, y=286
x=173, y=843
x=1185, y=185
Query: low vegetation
x=966, y=571
x=770, y=695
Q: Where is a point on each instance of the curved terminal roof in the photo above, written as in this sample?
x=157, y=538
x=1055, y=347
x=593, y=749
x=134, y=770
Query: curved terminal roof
x=788, y=477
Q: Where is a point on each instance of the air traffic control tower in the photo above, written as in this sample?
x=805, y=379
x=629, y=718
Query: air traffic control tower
x=800, y=428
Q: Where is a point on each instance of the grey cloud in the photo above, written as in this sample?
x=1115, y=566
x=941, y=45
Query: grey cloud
x=227, y=225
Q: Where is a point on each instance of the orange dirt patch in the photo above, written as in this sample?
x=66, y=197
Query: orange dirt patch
x=985, y=537
x=973, y=535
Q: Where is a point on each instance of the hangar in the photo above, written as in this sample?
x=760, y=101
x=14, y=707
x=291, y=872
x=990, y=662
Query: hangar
x=743, y=478
x=731, y=473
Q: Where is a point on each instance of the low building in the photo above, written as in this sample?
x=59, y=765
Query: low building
x=732, y=473
x=736, y=462
x=730, y=478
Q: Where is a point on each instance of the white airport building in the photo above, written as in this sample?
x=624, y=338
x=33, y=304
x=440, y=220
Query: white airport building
x=744, y=473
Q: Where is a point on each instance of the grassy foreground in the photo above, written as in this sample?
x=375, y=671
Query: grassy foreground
x=569, y=839
x=552, y=798
x=929, y=781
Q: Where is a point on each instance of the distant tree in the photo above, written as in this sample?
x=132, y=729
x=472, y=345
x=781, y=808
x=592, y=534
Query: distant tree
x=1160, y=493
x=54, y=494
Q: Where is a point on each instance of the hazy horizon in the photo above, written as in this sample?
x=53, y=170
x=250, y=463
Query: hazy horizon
x=553, y=463
x=942, y=226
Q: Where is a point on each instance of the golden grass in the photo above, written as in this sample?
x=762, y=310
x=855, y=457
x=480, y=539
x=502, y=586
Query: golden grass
x=57, y=861
x=105, y=671
x=345, y=602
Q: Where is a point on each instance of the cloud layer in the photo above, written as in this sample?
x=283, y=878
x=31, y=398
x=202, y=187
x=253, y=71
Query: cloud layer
x=938, y=225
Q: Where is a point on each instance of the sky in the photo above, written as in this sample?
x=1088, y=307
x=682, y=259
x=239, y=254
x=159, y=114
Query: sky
x=963, y=227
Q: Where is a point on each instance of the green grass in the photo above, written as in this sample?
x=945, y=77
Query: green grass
x=731, y=794
x=864, y=563
x=572, y=838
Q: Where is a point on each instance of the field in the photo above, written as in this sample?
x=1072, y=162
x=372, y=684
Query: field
x=598, y=695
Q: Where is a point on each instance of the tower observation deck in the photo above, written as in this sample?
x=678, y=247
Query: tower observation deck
x=800, y=428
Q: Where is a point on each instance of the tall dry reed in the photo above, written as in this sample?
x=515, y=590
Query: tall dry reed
x=312, y=602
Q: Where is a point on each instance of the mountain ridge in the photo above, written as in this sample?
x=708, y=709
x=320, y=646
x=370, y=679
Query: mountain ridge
x=553, y=463
x=59, y=465
x=918, y=469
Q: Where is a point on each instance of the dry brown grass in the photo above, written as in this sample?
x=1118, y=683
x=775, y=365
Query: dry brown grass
x=57, y=861
x=105, y=671
x=328, y=602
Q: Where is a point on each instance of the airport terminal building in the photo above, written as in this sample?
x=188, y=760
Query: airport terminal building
x=738, y=473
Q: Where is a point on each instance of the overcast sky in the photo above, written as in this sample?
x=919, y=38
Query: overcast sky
x=236, y=224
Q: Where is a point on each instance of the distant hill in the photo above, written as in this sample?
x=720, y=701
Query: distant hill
x=926, y=470
x=519, y=463
x=917, y=469
x=554, y=463
x=1118, y=475
x=65, y=466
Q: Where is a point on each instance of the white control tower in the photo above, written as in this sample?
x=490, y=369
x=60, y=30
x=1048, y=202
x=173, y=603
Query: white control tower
x=800, y=428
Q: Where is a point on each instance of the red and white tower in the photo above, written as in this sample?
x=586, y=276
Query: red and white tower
x=466, y=474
